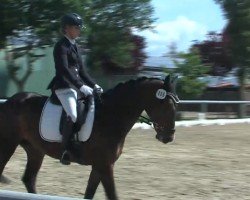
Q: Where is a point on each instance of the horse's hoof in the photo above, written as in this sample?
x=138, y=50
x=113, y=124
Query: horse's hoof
x=65, y=160
x=4, y=180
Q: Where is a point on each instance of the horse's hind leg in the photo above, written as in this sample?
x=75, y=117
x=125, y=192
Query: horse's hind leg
x=7, y=149
x=34, y=162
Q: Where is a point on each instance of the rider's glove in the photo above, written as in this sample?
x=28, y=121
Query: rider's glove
x=86, y=90
x=98, y=89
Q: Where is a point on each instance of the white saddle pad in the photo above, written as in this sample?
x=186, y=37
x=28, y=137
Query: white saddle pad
x=50, y=122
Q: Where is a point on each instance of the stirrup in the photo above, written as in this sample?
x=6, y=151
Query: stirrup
x=65, y=159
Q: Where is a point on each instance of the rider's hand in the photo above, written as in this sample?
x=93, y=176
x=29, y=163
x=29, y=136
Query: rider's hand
x=86, y=90
x=98, y=89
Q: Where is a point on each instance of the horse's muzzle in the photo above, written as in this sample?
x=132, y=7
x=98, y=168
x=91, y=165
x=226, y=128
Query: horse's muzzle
x=165, y=140
x=166, y=137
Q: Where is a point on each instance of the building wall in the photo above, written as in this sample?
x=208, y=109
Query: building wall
x=42, y=73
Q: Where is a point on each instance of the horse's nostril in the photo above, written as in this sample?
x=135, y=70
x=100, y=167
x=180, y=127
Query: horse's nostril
x=159, y=137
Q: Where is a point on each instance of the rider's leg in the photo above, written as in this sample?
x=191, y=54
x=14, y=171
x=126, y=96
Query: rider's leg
x=68, y=99
x=67, y=128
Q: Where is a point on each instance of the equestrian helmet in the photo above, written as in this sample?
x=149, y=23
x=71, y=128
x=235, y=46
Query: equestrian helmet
x=72, y=19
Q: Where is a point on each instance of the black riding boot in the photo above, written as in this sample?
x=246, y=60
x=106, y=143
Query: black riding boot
x=67, y=129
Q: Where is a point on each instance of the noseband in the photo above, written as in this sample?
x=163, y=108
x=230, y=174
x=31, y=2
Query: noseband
x=155, y=125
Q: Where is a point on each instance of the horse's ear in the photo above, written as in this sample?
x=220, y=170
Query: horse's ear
x=174, y=82
x=167, y=80
x=167, y=83
x=170, y=82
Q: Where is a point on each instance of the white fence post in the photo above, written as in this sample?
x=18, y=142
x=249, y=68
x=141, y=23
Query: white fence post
x=202, y=115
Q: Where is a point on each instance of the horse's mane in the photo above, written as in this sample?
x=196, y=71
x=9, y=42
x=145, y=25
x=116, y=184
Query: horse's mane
x=128, y=84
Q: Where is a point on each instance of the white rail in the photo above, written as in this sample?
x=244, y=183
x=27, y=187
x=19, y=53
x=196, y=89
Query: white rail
x=2, y=100
x=10, y=195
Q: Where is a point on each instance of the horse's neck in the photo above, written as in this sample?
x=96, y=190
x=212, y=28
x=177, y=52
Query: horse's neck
x=124, y=109
x=130, y=106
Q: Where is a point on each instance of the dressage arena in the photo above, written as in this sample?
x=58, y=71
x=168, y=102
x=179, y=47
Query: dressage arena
x=204, y=163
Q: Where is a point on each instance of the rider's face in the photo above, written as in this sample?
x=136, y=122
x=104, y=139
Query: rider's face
x=73, y=31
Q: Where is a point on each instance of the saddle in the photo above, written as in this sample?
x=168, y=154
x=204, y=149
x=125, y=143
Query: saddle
x=82, y=111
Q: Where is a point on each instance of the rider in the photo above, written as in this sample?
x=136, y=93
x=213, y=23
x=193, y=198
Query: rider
x=71, y=77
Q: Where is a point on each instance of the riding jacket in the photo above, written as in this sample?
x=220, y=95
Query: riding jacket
x=70, y=71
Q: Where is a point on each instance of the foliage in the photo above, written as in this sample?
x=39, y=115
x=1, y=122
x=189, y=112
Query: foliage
x=110, y=33
x=189, y=67
x=214, y=52
x=40, y=17
x=238, y=29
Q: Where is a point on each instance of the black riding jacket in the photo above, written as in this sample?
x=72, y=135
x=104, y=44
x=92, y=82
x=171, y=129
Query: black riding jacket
x=70, y=72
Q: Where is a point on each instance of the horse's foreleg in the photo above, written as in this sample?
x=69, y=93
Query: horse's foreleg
x=7, y=148
x=94, y=180
x=35, y=159
x=107, y=179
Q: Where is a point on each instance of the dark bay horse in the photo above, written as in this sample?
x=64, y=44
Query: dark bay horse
x=120, y=109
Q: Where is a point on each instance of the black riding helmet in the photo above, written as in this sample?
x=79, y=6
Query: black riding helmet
x=72, y=19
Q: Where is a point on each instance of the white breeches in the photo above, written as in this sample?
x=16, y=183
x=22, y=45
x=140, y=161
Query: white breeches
x=68, y=99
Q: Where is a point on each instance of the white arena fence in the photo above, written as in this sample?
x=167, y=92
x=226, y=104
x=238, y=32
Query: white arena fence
x=204, y=106
x=9, y=195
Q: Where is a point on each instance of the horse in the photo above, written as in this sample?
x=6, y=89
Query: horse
x=119, y=110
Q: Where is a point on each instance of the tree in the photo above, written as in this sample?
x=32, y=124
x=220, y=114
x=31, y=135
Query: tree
x=41, y=17
x=136, y=58
x=110, y=34
x=190, y=68
x=214, y=52
x=238, y=30
x=138, y=54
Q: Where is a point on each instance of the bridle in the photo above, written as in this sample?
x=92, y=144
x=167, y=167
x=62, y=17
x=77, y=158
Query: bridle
x=155, y=125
